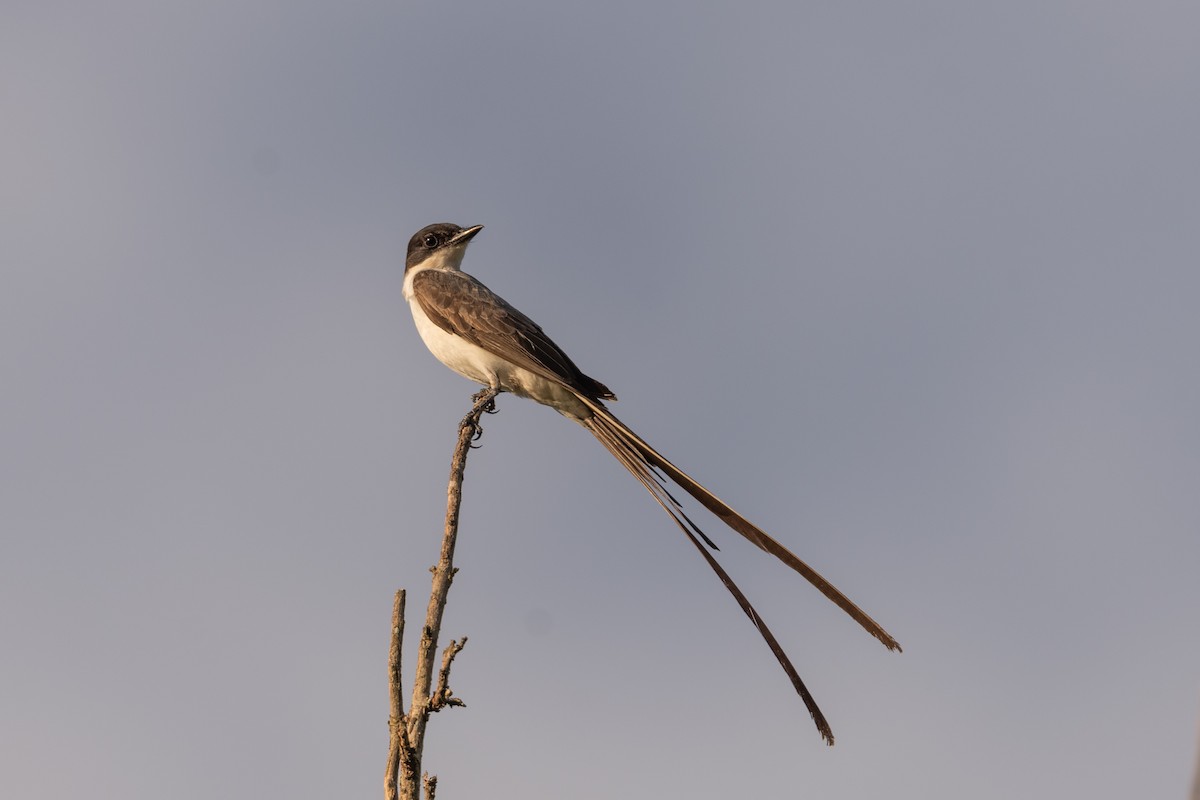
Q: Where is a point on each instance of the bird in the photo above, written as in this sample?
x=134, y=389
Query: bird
x=479, y=335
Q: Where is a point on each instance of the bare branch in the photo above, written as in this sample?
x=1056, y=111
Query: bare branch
x=407, y=731
x=1196, y=777
x=442, y=696
x=399, y=761
x=443, y=572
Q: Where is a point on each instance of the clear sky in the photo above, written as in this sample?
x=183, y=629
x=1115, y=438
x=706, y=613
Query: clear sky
x=912, y=285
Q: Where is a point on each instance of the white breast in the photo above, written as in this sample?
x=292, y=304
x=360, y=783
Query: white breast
x=476, y=364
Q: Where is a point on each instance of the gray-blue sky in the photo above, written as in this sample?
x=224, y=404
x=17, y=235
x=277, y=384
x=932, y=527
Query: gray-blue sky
x=945, y=257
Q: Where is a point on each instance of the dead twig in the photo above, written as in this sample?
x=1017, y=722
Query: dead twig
x=399, y=766
x=442, y=696
x=407, y=731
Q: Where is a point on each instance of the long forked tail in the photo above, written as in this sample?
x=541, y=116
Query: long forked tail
x=615, y=437
x=611, y=431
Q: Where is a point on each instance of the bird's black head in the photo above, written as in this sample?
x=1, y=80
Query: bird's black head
x=439, y=237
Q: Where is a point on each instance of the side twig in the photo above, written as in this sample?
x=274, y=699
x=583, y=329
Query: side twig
x=403, y=780
x=442, y=696
x=399, y=766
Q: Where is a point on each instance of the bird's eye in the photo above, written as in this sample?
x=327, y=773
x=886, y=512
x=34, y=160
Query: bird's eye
x=431, y=240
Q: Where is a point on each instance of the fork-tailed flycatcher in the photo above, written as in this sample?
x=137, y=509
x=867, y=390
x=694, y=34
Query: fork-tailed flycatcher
x=474, y=332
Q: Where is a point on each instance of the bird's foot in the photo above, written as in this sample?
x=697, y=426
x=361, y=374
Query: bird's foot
x=483, y=402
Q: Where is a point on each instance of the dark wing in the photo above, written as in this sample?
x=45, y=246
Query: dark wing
x=461, y=305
